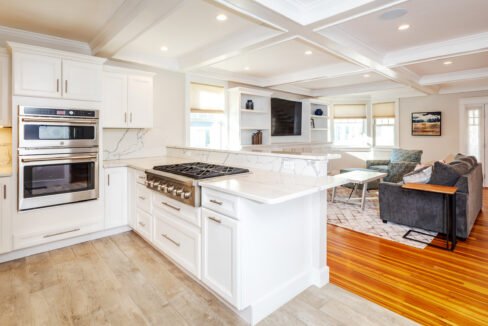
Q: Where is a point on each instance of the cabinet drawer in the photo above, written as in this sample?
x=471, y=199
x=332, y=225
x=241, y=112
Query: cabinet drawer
x=220, y=202
x=144, y=224
x=140, y=177
x=179, y=241
x=186, y=212
x=143, y=198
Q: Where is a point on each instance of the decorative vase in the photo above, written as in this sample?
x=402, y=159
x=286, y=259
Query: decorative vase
x=249, y=105
x=319, y=112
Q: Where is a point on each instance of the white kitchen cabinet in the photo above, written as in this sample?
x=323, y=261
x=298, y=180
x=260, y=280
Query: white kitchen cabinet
x=116, y=200
x=220, y=254
x=5, y=220
x=82, y=80
x=127, y=98
x=44, y=72
x=5, y=109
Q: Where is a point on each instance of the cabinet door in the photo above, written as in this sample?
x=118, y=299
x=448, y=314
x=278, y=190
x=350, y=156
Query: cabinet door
x=140, y=101
x=5, y=219
x=114, y=110
x=220, y=242
x=115, y=197
x=5, y=116
x=36, y=75
x=82, y=80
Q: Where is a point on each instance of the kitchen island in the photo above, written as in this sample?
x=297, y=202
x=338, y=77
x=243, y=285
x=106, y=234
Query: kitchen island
x=257, y=240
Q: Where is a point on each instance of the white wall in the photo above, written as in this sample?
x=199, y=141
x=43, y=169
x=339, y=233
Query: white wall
x=435, y=148
x=169, y=121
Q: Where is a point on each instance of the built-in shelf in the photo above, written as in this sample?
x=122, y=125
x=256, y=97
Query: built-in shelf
x=320, y=129
x=319, y=116
x=254, y=111
x=253, y=128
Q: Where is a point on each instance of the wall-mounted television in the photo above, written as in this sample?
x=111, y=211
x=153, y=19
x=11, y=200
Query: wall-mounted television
x=286, y=117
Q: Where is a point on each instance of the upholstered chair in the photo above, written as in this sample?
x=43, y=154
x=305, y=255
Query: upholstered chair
x=401, y=162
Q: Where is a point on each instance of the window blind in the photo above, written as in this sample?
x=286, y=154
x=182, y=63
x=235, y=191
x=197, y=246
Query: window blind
x=206, y=98
x=349, y=111
x=384, y=110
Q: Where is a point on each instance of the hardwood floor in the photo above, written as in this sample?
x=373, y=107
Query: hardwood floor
x=430, y=286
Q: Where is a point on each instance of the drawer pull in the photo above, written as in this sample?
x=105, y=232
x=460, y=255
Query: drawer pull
x=142, y=197
x=142, y=224
x=59, y=233
x=173, y=241
x=142, y=177
x=215, y=219
x=216, y=202
x=171, y=206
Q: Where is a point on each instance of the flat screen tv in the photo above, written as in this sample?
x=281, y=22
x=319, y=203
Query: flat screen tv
x=286, y=117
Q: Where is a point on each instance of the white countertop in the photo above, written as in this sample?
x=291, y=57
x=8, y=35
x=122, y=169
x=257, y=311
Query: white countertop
x=267, y=152
x=265, y=187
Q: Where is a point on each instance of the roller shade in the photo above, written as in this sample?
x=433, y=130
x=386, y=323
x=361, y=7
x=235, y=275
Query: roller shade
x=384, y=110
x=206, y=98
x=349, y=111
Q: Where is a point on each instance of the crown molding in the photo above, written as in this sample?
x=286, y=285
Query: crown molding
x=454, y=76
x=20, y=36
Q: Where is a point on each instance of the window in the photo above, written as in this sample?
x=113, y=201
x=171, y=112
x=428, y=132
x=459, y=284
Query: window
x=350, y=125
x=474, y=132
x=384, y=124
x=207, y=116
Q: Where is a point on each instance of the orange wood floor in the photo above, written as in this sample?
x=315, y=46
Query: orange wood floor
x=430, y=286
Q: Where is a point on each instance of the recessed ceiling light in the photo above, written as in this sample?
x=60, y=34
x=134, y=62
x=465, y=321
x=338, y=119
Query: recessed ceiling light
x=221, y=18
x=164, y=48
x=308, y=52
x=393, y=14
x=447, y=63
x=403, y=27
x=366, y=75
x=246, y=68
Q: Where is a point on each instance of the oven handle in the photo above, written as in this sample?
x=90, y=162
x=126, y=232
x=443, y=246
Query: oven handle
x=57, y=158
x=61, y=120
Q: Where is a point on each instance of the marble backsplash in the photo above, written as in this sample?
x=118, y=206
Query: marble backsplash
x=295, y=166
x=5, y=147
x=129, y=143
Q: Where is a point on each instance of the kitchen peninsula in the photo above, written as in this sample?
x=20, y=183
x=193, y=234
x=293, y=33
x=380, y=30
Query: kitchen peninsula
x=255, y=239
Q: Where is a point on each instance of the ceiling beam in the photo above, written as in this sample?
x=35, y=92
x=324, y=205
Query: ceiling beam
x=356, y=89
x=132, y=19
x=454, y=76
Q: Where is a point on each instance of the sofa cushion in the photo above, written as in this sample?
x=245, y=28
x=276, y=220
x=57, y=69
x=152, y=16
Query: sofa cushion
x=471, y=160
x=405, y=155
x=418, y=176
x=444, y=174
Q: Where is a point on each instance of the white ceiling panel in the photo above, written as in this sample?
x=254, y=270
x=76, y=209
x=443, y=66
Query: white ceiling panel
x=465, y=62
x=465, y=86
x=429, y=20
x=79, y=20
x=283, y=58
x=190, y=27
x=342, y=81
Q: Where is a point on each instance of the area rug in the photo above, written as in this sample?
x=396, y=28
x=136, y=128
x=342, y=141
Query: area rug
x=350, y=216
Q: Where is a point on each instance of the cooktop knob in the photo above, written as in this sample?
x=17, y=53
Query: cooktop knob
x=171, y=188
x=186, y=195
x=178, y=192
x=151, y=183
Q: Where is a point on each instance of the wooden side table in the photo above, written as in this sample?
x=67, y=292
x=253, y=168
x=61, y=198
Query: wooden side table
x=448, y=212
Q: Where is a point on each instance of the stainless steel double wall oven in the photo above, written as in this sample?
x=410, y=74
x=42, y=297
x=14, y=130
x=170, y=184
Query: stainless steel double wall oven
x=58, y=156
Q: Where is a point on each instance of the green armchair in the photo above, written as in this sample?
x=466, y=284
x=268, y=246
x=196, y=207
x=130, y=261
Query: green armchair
x=401, y=162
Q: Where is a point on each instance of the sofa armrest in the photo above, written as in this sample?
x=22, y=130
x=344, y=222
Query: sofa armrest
x=396, y=170
x=370, y=163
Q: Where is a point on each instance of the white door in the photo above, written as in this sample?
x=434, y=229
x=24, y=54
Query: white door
x=5, y=109
x=220, y=254
x=115, y=197
x=476, y=139
x=36, y=75
x=114, y=110
x=82, y=80
x=5, y=219
x=140, y=101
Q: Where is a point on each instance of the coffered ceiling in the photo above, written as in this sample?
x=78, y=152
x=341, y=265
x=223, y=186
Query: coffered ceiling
x=310, y=47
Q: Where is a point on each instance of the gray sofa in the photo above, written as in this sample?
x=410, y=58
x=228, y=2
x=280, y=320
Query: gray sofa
x=424, y=210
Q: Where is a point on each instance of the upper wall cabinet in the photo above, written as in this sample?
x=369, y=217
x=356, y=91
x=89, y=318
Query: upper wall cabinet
x=5, y=110
x=127, y=98
x=45, y=72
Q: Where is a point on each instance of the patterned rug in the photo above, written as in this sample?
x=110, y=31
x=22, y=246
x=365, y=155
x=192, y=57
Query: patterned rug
x=350, y=216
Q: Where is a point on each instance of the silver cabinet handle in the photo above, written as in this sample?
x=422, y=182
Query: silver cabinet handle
x=173, y=241
x=125, y=117
x=57, y=85
x=142, y=198
x=171, y=206
x=215, y=219
x=66, y=86
x=59, y=233
x=108, y=180
x=142, y=177
x=142, y=224
x=216, y=202
x=130, y=117
x=4, y=191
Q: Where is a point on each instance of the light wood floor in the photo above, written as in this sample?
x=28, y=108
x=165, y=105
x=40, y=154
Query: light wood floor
x=430, y=286
x=121, y=280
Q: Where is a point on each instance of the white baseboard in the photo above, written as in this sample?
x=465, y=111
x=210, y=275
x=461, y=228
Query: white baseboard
x=21, y=253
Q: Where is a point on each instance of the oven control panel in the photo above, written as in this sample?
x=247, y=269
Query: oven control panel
x=53, y=112
x=178, y=190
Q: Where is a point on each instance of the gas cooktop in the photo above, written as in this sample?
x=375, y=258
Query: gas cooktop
x=199, y=170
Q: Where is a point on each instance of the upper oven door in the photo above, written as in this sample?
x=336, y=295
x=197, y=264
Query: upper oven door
x=42, y=132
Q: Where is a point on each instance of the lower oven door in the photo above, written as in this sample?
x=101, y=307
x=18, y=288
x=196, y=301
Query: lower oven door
x=48, y=180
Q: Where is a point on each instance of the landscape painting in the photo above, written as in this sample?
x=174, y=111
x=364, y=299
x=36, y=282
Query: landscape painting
x=426, y=124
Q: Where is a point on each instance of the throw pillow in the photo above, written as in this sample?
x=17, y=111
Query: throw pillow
x=419, y=176
x=461, y=167
x=471, y=160
x=444, y=175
